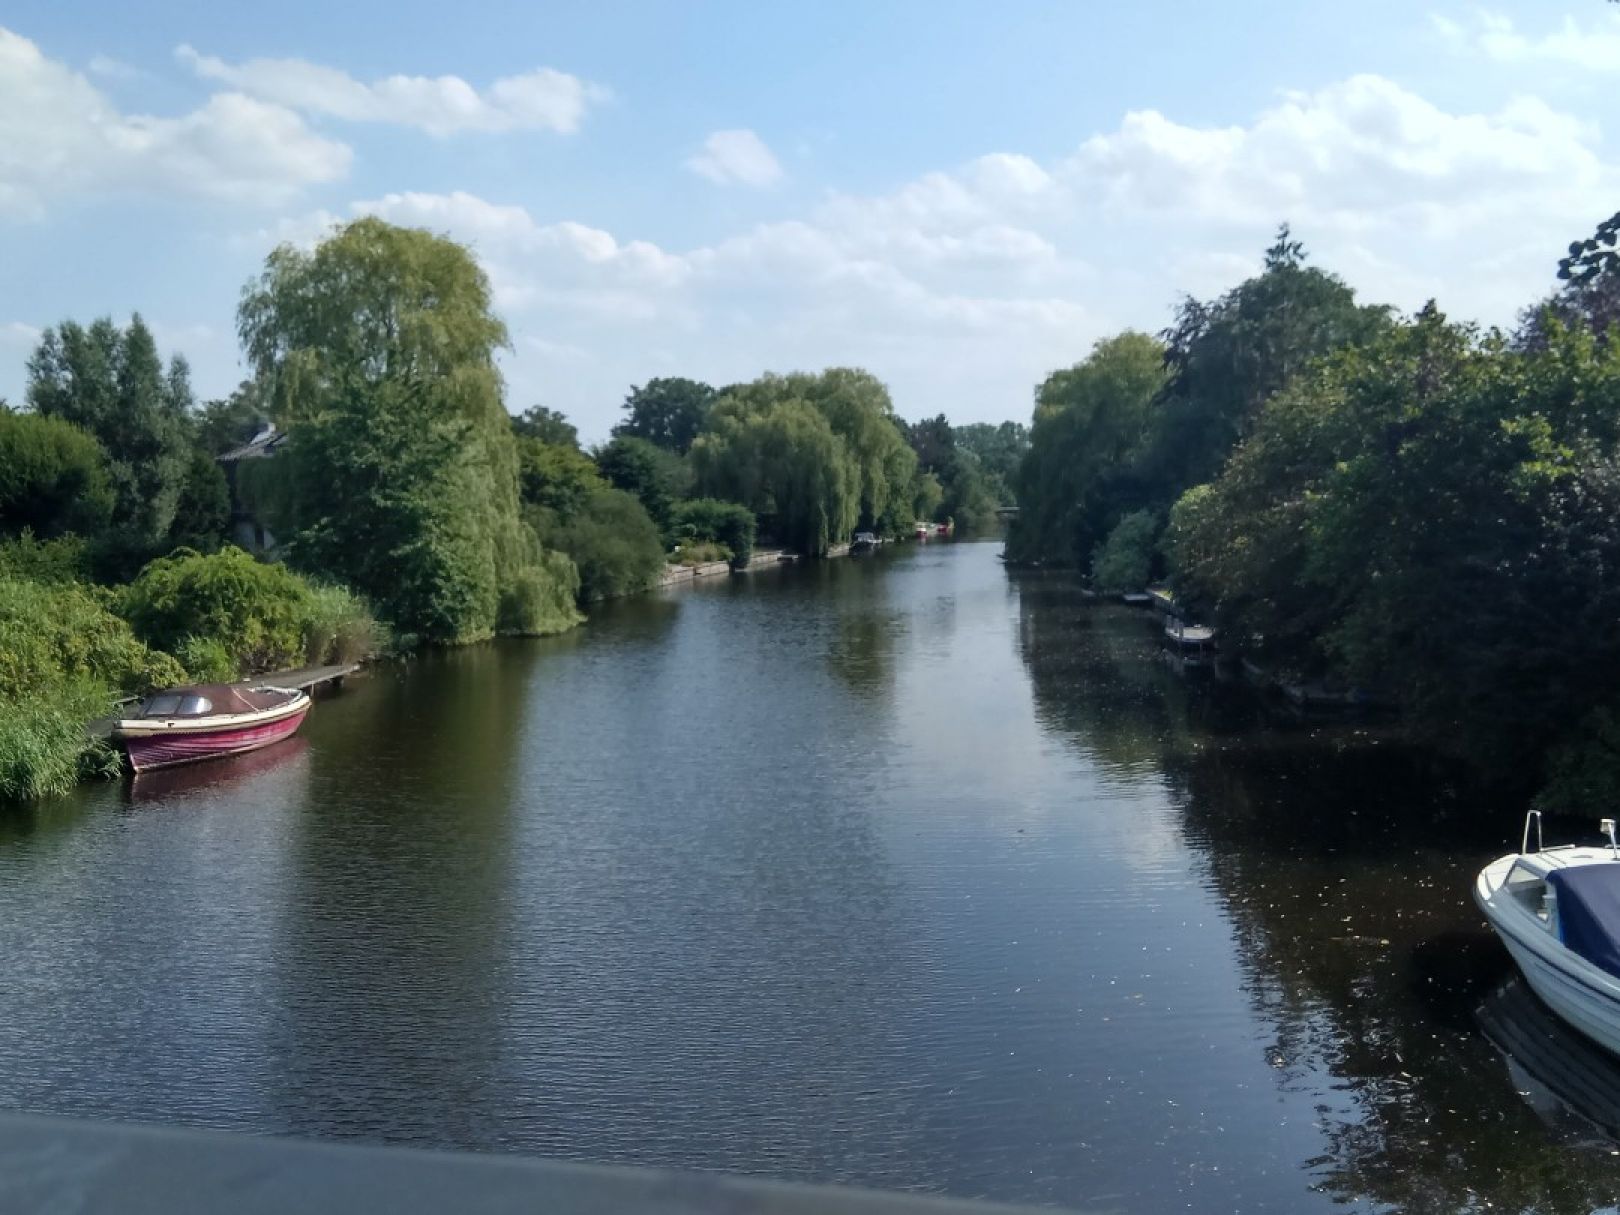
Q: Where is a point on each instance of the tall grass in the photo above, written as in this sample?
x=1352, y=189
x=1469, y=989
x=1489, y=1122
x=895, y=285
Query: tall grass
x=339, y=627
x=43, y=746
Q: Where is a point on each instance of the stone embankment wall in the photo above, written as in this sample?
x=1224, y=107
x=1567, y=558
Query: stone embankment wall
x=762, y=559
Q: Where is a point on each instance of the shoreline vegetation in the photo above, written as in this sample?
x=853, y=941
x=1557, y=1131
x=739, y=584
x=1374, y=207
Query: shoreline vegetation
x=1359, y=498
x=401, y=504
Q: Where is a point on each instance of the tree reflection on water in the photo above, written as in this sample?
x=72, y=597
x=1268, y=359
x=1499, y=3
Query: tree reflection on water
x=1344, y=861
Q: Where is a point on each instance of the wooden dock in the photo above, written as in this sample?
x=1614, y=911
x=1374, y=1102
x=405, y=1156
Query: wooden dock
x=305, y=679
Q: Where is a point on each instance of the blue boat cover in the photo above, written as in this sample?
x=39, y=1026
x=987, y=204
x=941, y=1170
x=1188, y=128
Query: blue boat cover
x=1589, y=912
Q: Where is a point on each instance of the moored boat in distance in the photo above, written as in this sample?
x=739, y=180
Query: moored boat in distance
x=1558, y=912
x=1194, y=638
x=863, y=542
x=207, y=721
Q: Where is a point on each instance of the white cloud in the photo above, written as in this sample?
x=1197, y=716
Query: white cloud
x=541, y=100
x=1594, y=47
x=1359, y=156
x=962, y=288
x=736, y=157
x=59, y=134
x=109, y=68
x=19, y=335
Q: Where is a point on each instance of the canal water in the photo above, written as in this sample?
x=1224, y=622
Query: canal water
x=898, y=871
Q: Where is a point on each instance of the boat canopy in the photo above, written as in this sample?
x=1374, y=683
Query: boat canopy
x=210, y=699
x=1589, y=912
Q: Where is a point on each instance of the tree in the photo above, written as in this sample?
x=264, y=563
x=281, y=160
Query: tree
x=709, y=520
x=547, y=425
x=669, y=412
x=203, y=517
x=53, y=478
x=1124, y=562
x=612, y=541
x=1439, y=515
x=400, y=474
x=656, y=476
x=999, y=449
x=1227, y=356
x=934, y=442
x=113, y=384
x=556, y=477
x=229, y=422
x=780, y=457
x=856, y=406
x=1093, y=429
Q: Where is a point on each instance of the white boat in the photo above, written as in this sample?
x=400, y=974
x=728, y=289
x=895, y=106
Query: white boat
x=1188, y=636
x=1558, y=912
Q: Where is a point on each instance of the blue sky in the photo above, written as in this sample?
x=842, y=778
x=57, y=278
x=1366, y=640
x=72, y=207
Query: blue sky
x=958, y=197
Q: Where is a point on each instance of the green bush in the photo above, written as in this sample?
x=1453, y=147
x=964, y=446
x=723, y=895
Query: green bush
x=62, y=560
x=540, y=600
x=52, y=635
x=53, y=477
x=1124, y=562
x=43, y=747
x=701, y=552
x=339, y=627
x=728, y=524
x=206, y=660
x=257, y=612
x=612, y=540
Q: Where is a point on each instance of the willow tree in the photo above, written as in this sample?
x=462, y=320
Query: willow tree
x=855, y=405
x=400, y=476
x=1083, y=471
x=781, y=459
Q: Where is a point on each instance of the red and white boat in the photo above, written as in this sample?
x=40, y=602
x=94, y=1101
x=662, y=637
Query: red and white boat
x=183, y=725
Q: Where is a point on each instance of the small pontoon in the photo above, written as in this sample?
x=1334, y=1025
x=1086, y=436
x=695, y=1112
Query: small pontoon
x=1558, y=912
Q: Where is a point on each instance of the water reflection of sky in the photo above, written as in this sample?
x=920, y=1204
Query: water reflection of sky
x=892, y=871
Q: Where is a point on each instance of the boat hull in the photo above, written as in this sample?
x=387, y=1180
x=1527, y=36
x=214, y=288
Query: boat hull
x=1586, y=998
x=166, y=750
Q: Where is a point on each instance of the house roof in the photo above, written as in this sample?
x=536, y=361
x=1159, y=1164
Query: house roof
x=259, y=447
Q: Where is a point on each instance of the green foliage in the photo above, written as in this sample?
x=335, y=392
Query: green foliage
x=338, y=627
x=254, y=610
x=1229, y=355
x=1124, y=562
x=541, y=599
x=62, y=560
x=812, y=455
x=555, y=476
x=1439, y=515
x=112, y=383
x=926, y=496
x=1086, y=464
x=203, y=518
x=612, y=540
x=207, y=660
x=43, y=747
x=53, y=477
x=400, y=474
x=701, y=552
x=55, y=635
x=1000, y=450
x=669, y=412
x=966, y=494
x=232, y=421
x=546, y=425
x=657, y=477
x=781, y=458
x=729, y=525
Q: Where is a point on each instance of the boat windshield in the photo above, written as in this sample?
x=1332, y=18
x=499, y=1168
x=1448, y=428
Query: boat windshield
x=1589, y=912
x=172, y=704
